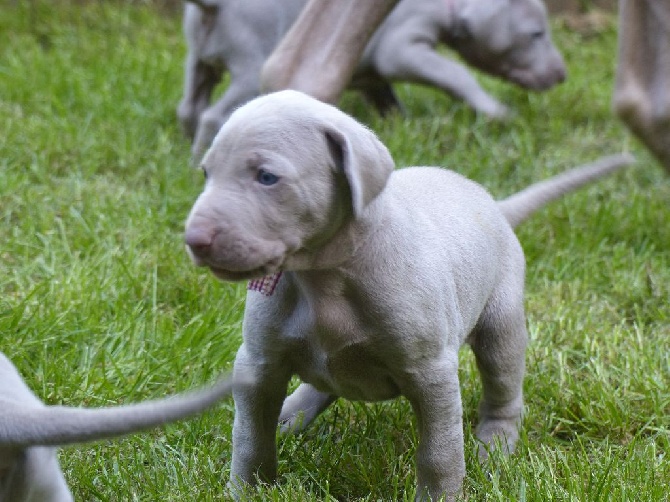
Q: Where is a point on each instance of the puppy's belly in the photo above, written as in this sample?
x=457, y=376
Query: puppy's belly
x=353, y=373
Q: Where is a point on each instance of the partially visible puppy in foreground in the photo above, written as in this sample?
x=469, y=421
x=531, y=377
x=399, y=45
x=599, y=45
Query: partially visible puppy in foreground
x=29, y=432
x=365, y=281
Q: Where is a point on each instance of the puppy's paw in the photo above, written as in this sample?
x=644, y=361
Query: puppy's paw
x=497, y=434
x=294, y=424
x=500, y=112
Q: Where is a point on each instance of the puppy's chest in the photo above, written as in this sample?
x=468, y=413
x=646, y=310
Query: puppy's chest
x=341, y=352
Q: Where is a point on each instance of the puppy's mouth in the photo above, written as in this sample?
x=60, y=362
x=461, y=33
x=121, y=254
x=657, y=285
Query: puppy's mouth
x=224, y=273
x=241, y=275
x=240, y=267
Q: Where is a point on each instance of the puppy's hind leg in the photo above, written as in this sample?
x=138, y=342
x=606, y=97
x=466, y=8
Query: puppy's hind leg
x=302, y=407
x=499, y=345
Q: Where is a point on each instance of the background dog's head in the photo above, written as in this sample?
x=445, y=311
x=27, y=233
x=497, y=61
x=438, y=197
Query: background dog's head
x=510, y=39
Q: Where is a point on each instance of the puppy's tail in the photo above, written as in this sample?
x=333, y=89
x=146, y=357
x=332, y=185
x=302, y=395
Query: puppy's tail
x=32, y=425
x=521, y=205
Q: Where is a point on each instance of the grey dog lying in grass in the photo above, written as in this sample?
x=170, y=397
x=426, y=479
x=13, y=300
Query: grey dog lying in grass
x=374, y=279
x=29, y=432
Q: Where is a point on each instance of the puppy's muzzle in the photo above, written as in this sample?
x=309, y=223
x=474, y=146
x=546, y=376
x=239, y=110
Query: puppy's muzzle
x=231, y=255
x=198, y=245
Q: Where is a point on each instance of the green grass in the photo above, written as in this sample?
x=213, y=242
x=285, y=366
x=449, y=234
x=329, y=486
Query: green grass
x=100, y=305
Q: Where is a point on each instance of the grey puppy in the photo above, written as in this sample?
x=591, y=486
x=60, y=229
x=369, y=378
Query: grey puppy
x=507, y=38
x=374, y=279
x=29, y=432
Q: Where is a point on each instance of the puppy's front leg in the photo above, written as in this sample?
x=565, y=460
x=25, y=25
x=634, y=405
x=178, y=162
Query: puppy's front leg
x=258, y=400
x=440, y=460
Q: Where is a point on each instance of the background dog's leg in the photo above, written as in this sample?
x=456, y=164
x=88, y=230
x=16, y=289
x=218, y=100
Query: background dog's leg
x=199, y=82
x=257, y=405
x=418, y=62
x=642, y=89
x=499, y=344
x=302, y=407
x=242, y=88
x=382, y=96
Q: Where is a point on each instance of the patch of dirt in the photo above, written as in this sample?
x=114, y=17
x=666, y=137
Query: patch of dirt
x=580, y=6
x=588, y=24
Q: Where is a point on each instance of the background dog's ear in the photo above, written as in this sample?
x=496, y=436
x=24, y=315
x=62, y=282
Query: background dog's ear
x=364, y=160
x=208, y=7
x=474, y=18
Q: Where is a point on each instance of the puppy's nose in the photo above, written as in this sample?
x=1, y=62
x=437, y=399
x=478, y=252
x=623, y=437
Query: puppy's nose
x=198, y=239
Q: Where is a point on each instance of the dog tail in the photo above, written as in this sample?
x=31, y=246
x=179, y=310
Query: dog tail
x=33, y=425
x=519, y=206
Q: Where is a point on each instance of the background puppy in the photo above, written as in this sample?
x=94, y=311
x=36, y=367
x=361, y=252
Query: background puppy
x=29, y=430
x=507, y=38
x=376, y=279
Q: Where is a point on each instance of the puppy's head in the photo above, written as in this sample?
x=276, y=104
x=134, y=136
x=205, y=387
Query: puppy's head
x=510, y=39
x=283, y=175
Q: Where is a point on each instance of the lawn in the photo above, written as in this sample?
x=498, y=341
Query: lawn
x=100, y=305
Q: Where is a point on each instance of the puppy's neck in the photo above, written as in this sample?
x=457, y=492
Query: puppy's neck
x=344, y=245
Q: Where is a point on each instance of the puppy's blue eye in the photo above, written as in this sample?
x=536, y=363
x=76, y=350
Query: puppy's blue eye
x=266, y=178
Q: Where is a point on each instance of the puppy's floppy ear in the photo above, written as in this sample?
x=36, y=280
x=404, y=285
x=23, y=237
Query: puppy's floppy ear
x=364, y=160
